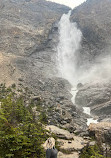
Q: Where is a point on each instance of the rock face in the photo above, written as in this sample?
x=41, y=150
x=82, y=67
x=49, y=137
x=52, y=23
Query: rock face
x=24, y=29
x=102, y=133
x=25, y=25
x=28, y=36
x=93, y=19
x=97, y=97
x=93, y=95
x=8, y=72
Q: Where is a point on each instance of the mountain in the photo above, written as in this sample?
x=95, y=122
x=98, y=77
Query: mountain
x=29, y=33
x=29, y=36
x=25, y=24
x=24, y=29
x=93, y=19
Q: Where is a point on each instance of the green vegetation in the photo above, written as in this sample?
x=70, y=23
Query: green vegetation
x=91, y=152
x=21, y=128
x=21, y=133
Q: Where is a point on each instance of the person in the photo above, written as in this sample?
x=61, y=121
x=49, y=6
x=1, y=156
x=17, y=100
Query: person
x=51, y=151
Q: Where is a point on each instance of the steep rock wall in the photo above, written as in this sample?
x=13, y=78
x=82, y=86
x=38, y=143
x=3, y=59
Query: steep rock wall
x=25, y=25
x=93, y=19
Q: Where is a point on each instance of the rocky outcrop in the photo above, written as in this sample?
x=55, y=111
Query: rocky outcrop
x=25, y=25
x=97, y=97
x=74, y=154
x=9, y=73
x=61, y=133
x=59, y=108
x=93, y=19
x=91, y=95
x=38, y=73
x=102, y=133
x=69, y=144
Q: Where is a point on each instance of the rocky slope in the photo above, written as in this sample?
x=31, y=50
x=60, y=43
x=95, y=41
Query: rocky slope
x=93, y=19
x=25, y=25
x=24, y=29
x=28, y=36
x=98, y=98
x=69, y=144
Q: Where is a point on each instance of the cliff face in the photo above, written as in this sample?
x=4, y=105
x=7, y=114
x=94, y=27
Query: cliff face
x=25, y=24
x=27, y=32
x=94, y=20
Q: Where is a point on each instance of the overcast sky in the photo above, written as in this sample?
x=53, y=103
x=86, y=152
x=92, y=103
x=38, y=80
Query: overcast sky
x=70, y=3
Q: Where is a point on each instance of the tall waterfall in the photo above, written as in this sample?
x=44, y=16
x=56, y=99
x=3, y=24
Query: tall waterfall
x=68, y=47
x=69, y=44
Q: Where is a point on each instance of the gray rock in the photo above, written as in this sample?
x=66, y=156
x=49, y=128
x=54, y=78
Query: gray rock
x=95, y=28
x=60, y=132
x=28, y=27
x=97, y=97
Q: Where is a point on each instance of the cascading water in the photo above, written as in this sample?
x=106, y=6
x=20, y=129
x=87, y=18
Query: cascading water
x=89, y=120
x=68, y=47
x=69, y=44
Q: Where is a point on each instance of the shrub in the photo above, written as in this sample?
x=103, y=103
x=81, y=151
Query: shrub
x=21, y=135
x=91, y=152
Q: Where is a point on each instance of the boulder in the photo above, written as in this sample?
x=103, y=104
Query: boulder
x=73, y=155
x=74, y=145
x=61, y=133
x=101, y=131
x=102, y=134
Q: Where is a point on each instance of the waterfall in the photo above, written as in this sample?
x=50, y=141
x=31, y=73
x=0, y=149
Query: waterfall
x=68, y=47
x=88, y=112
x=69, y=44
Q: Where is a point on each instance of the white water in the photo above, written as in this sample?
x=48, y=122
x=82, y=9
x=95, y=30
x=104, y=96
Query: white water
x=89, y=120
x=73, y=92
x=69, y=44
x=87, y=110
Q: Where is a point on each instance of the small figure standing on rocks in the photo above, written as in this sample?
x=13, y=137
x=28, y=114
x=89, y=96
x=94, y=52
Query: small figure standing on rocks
x=51, y=151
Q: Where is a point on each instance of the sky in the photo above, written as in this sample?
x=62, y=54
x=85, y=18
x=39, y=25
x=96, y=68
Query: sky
x=71, y=3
